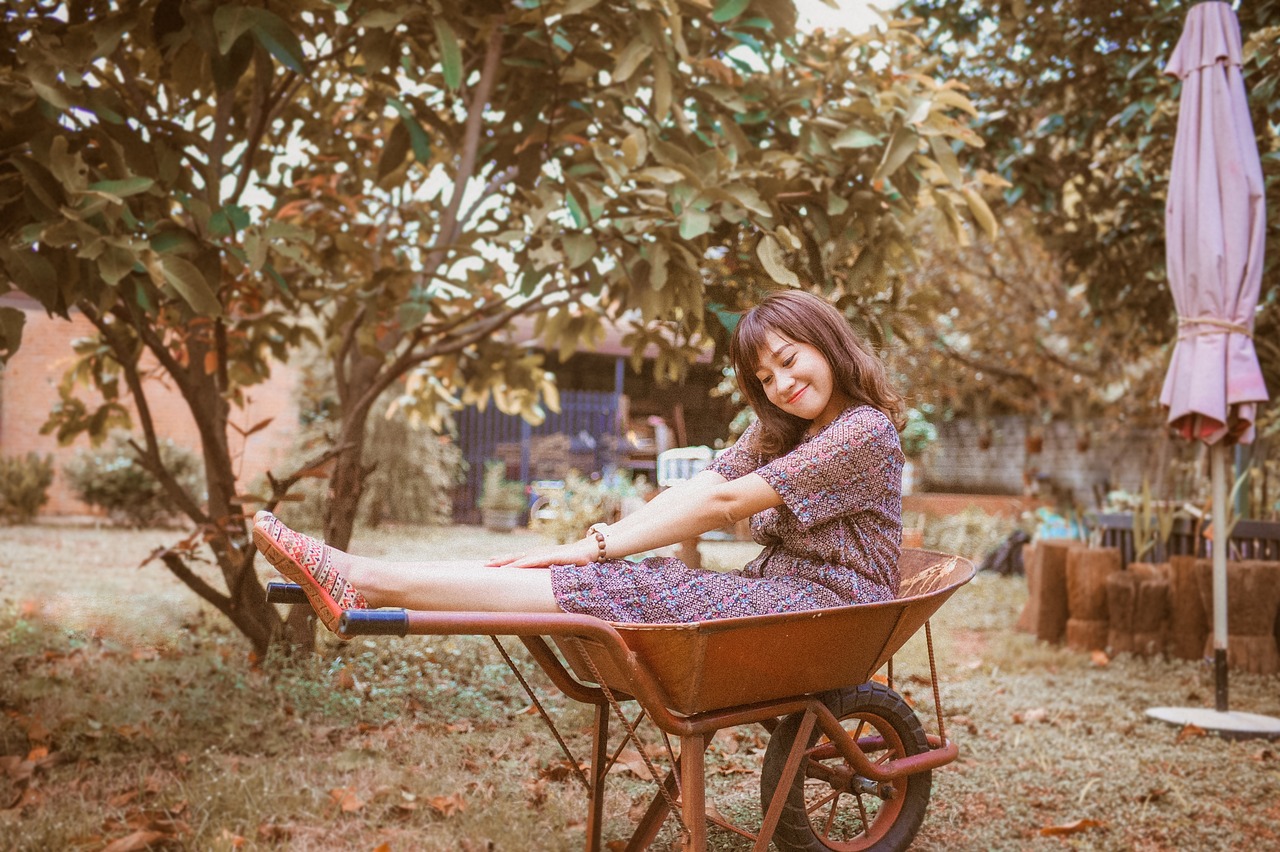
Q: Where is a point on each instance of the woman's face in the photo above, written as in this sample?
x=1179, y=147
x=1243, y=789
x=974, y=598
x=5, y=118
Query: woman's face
x=797, y=379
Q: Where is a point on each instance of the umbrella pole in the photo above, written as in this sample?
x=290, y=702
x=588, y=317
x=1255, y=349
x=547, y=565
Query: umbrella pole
x=1221, y=533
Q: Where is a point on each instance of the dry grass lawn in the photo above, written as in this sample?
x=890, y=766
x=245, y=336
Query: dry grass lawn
x=132, y=716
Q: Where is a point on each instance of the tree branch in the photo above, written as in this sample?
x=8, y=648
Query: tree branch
x=280, y=487
x=183, y=572
x=150, y=457
x=470, y=144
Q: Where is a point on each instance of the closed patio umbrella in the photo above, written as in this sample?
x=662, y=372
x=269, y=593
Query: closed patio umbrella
x=1214, y=229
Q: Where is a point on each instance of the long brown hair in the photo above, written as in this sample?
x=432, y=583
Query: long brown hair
x=805, y=318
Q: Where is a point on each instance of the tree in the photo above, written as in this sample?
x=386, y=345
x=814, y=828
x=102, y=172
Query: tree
x=1079, y=118
x=435, y=171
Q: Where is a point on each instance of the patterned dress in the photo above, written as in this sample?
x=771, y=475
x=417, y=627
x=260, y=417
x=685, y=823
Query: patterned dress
x=833, y=542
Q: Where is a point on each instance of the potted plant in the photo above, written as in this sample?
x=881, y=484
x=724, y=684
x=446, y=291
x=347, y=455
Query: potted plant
x=916, y=437
x=502, y=501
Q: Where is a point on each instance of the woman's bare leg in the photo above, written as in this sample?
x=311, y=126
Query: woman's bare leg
x=335, y=580
x=458, y=586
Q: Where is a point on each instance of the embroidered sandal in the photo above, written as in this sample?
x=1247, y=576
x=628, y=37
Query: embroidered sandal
x=309, y=563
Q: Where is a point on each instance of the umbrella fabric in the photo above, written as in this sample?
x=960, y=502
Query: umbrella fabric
x=1214, y=229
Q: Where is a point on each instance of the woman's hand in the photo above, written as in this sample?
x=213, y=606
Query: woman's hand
x=574, y=553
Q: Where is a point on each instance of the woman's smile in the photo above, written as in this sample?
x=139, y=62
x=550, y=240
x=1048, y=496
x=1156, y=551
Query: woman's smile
x=797, y=379
x=796, y=395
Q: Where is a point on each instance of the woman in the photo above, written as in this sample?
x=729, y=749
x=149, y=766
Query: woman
x=819, y=473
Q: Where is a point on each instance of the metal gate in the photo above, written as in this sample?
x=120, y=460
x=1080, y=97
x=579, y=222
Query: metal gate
x=586, y=429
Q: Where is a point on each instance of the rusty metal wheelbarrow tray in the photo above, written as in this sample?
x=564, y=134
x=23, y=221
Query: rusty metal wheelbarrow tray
x=710, y=665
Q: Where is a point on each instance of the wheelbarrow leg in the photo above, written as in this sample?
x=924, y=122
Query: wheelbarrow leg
x=599, y=768
x=789, y=770
x=693, y=801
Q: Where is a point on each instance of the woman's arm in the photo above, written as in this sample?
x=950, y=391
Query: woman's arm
x=704, y=503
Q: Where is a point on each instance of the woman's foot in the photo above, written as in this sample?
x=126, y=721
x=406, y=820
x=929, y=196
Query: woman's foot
x=310, y=564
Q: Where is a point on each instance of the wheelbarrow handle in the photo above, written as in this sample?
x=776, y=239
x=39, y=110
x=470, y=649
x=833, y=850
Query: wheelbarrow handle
x=285, y=593
x=374, y=622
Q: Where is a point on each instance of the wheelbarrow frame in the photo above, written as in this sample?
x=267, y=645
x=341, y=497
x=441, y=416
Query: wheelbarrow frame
x=608, y=663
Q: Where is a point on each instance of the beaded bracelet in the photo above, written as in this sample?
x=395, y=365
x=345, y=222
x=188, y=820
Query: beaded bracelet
x=597, y=530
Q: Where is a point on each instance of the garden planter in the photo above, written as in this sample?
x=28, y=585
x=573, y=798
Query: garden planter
x=1188, y=621
x=1031, y=568
x=500, y=520
x=1138, y=610
x=1046, y=611
x=1087, y=571
x=1253, y=597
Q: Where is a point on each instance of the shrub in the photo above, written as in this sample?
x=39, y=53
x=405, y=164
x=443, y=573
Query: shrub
x=564, y=512
x=24, y=486
x=113, y=479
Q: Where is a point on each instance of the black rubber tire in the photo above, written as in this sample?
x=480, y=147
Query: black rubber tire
x=891, y=827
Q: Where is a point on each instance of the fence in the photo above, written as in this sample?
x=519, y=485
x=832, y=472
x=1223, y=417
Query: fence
x=584, y=435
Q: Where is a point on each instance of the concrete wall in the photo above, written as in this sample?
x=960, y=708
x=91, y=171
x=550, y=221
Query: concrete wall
x=1118, y=459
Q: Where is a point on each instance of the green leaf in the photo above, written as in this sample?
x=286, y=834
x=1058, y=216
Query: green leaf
x=577, y=7
x=659, y=266
x=727, y=10
x=418, y=138
x=123, y=188
x=630, y=58
x=450, y=54
x=186, y=279
x=580, y=219
x=774, y=263
x=946, y=159
x=393, y=150
x=750, y=199
x=579, y=248
x=225, y=221
x=694, y=223
x=900, y=147
x=11, y=322
x=981, y=212
x=275, y=35
x=854, y=137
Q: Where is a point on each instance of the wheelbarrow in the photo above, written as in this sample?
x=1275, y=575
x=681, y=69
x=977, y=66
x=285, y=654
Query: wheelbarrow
x=848, y=764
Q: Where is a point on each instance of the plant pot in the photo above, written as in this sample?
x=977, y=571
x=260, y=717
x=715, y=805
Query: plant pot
x=1035, y=443
x=500, y=520
x=984, y=439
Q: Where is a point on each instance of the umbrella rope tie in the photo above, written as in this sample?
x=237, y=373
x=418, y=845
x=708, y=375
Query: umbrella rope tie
x=1220, y=327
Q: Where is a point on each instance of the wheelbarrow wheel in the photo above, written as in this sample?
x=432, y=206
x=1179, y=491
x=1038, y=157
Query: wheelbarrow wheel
x=827, y=808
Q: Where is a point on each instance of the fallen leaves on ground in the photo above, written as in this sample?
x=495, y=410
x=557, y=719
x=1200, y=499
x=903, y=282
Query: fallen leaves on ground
x=346, y=799
x=1099, y=658
x=447, y=806
x=1189, y=732
x=1029, y=717
x=1070, y=828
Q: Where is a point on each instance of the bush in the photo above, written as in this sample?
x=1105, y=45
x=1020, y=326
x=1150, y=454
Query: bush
x=565, y=511
x=24, y=486
x=113, y=479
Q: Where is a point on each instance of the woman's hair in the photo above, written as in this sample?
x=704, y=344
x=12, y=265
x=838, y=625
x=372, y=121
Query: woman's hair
x=805, y=318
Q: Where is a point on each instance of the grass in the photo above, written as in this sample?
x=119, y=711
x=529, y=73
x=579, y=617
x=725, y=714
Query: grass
x=132, y=714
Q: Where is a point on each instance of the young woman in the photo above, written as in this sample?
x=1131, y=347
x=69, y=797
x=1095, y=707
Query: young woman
x=819, y=473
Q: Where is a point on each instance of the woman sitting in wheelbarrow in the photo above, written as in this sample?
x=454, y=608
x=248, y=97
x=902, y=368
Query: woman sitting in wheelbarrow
x=819, y=473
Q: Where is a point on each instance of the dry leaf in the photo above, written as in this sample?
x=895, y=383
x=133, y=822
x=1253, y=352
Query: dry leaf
x=1070, y=828
x=1263, y=755
x=137, y=841
x=1029, y=717
x=631, y=760
x=1099, y=658
x=382, y=847
x=1151, y=796
x=458, y=728
x=1189, y=731
x=235, y=840
x=344, y=679
x=447, y=806
x=346, y=799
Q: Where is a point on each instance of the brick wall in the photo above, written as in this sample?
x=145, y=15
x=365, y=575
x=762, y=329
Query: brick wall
x=29, y=389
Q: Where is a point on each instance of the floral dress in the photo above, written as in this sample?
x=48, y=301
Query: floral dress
x=833, y=542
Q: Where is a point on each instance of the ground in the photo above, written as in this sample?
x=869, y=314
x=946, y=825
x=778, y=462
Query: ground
x=133, y=716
